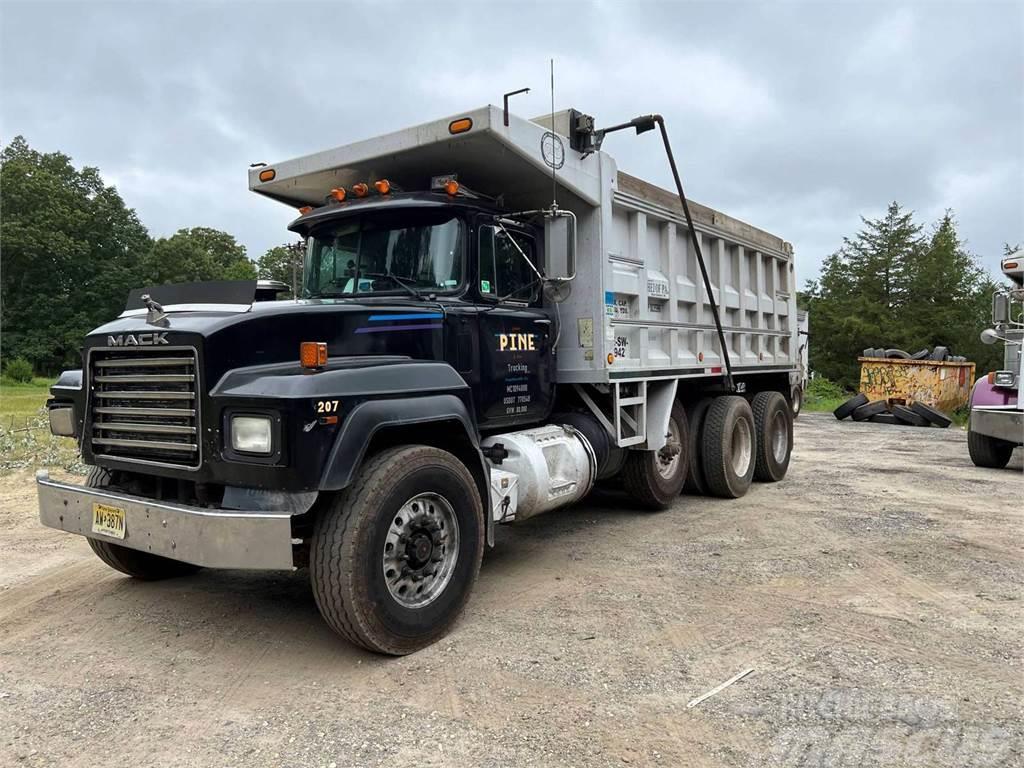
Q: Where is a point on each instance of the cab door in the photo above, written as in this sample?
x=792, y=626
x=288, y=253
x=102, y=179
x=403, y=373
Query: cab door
x=517, y=366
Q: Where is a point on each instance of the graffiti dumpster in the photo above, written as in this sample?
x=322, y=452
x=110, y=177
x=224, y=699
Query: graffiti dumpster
x=942, y=385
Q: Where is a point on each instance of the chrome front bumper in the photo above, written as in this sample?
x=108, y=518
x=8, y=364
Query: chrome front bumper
x=207, y=537
x=1004, y=422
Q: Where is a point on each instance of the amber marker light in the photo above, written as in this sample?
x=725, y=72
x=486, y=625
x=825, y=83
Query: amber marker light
x=313, y=354
x=267, y=174
x=451, y=187
x=461, y=125
x=305, y=209
x=338, y=193
x=360, y=190
x=383, y=186
x=611, y=358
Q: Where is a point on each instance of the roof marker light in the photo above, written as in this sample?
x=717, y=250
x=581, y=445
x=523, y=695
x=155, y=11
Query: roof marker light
x=383, y=186
x=305, y=209
x=360, y=190
x=267, y=174
x=461, y=125
x=338, y=193
x=451, y=187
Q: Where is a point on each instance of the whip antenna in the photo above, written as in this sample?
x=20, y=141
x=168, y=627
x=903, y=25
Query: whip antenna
x=554, y=139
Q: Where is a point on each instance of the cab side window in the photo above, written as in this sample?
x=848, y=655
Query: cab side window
x=504, y=272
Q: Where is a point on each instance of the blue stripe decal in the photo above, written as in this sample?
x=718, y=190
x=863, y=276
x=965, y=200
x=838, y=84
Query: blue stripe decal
x=410, y=316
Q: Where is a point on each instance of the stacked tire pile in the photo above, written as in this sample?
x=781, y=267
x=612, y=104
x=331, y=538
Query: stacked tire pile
x=859, y=408
x=938, y=354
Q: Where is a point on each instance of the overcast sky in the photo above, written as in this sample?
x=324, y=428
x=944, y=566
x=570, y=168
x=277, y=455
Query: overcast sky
x=796, y=117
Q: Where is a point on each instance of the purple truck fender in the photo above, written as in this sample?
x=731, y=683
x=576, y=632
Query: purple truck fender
x=984, y=393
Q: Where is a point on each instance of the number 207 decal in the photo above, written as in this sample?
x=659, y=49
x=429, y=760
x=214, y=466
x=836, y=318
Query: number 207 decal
x=326, y=406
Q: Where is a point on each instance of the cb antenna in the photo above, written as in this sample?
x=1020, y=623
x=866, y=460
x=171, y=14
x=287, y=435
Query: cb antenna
x=554, y=139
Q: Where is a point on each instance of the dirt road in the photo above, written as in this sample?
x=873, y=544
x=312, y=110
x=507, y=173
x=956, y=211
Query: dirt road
x=876, y=592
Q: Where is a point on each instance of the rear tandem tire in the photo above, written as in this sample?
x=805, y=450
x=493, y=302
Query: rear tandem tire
x=410, y=523
x=132, y=562
x=773, y=429
x=988, y=452
x=655, y=478
x=695, y=483
x=728, y=447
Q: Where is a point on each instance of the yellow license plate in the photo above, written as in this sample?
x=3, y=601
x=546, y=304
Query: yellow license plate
x=108, y=520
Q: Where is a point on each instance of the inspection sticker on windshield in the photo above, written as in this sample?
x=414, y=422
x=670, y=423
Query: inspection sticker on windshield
x=108, y=520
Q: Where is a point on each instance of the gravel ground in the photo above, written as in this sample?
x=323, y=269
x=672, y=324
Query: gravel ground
x=876, y=592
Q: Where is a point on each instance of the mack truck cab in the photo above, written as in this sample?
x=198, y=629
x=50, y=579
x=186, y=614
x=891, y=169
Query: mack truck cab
x=464, y=351
x=996, y=423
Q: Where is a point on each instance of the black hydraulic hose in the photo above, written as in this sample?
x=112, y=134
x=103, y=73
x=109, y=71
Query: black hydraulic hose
x=700, y=256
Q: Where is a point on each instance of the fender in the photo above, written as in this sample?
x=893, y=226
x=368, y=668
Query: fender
x=371, y=416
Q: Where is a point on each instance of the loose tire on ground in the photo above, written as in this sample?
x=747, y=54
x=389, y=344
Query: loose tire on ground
x=773, y=430
x=850, y=406
x=695, y=483
x=139, y=565
x=364, y=589
x=728, y=447
x=909, y=416
x=936, y=417
x=865, y=412
x=989, y=452
x=655, y=478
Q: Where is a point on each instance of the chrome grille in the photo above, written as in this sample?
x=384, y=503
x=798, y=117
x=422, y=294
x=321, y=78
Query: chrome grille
x=144, y=405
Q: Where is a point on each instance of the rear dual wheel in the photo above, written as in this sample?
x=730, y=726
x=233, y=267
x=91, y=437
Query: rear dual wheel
x=729, y=444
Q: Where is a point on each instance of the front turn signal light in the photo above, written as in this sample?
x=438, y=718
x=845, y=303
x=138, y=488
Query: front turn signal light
x=313, y=354
x=360, y=190
x=383, y=186
x=338, y=193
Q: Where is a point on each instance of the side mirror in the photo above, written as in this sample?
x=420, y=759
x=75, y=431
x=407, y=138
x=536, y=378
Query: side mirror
x=560, y=254
x=1000, y=308
x=989, y=336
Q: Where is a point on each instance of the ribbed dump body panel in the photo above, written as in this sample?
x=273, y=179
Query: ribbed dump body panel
x=144, y=405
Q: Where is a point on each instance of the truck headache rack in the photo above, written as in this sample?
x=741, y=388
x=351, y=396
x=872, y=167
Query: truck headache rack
x=144, y=405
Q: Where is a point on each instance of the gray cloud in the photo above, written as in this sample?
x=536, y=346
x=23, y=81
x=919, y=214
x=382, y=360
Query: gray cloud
x=797, y=117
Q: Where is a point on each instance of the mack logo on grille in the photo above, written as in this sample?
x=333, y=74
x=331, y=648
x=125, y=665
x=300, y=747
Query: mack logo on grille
x=137, y=339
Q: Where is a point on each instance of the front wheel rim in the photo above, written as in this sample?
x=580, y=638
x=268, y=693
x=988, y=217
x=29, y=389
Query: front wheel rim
x=421, y=550
x=742, y=447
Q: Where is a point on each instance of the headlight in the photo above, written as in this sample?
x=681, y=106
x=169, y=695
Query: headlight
x=251, y=434
x=1005, y=378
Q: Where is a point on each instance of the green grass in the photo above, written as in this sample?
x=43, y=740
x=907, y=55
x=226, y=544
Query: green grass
x=25, y=439
x=824, y=405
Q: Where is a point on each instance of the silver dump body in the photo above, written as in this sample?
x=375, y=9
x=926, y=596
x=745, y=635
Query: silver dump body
x=637, y=308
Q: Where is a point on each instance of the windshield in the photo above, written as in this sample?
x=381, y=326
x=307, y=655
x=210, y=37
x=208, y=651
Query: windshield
x=395, y=252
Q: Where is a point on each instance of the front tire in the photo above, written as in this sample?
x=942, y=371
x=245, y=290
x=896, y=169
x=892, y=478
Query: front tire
x=655, y=478
x=132, y=562
x=988, y=452
x=395, y=555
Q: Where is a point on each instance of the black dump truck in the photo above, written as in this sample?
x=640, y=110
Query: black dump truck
x=491, y=320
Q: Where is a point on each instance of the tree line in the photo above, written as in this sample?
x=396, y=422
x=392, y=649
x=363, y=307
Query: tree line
x=71, y=250
x=896, y=284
